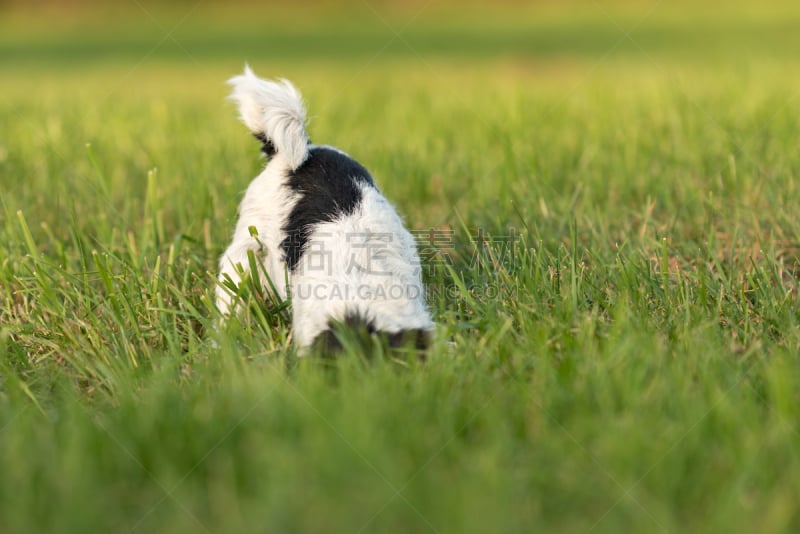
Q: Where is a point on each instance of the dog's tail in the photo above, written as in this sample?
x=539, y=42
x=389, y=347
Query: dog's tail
x=274, y=112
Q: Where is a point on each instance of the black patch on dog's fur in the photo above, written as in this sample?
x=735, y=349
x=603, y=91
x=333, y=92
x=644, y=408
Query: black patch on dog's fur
x=266, y=145
x=329, y=343
x=360, y=332
x=327, y=183
x=415, y=337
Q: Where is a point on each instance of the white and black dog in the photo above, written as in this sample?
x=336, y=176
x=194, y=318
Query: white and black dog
x=322, y=232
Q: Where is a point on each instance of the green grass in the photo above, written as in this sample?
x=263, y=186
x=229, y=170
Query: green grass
x=624, y=336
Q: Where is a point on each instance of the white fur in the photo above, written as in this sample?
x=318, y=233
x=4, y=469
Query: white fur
x=373, y=271
x=363, y=264
x=274, y=109
x=266, y=205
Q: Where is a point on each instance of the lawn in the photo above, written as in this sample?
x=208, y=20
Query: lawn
x=606, y=202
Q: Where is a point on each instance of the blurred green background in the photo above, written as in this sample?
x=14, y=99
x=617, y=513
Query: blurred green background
x=84, y=33
x=97, y=61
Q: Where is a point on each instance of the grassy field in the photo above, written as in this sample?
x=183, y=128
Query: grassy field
x=607, y=203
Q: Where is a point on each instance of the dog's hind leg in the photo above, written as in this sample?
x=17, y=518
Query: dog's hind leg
x=234, y=265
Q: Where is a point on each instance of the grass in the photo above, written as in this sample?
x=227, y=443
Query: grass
x=609, y=233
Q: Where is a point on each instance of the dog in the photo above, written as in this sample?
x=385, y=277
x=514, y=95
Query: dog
x=322, y=233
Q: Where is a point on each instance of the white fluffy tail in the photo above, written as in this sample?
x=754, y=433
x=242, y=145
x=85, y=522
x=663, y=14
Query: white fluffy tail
x=274, y=112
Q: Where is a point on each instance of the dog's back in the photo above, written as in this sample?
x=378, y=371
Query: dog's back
x=320, y=218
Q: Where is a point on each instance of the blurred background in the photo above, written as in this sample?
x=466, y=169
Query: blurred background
x=81, y=33
x=143, y=81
